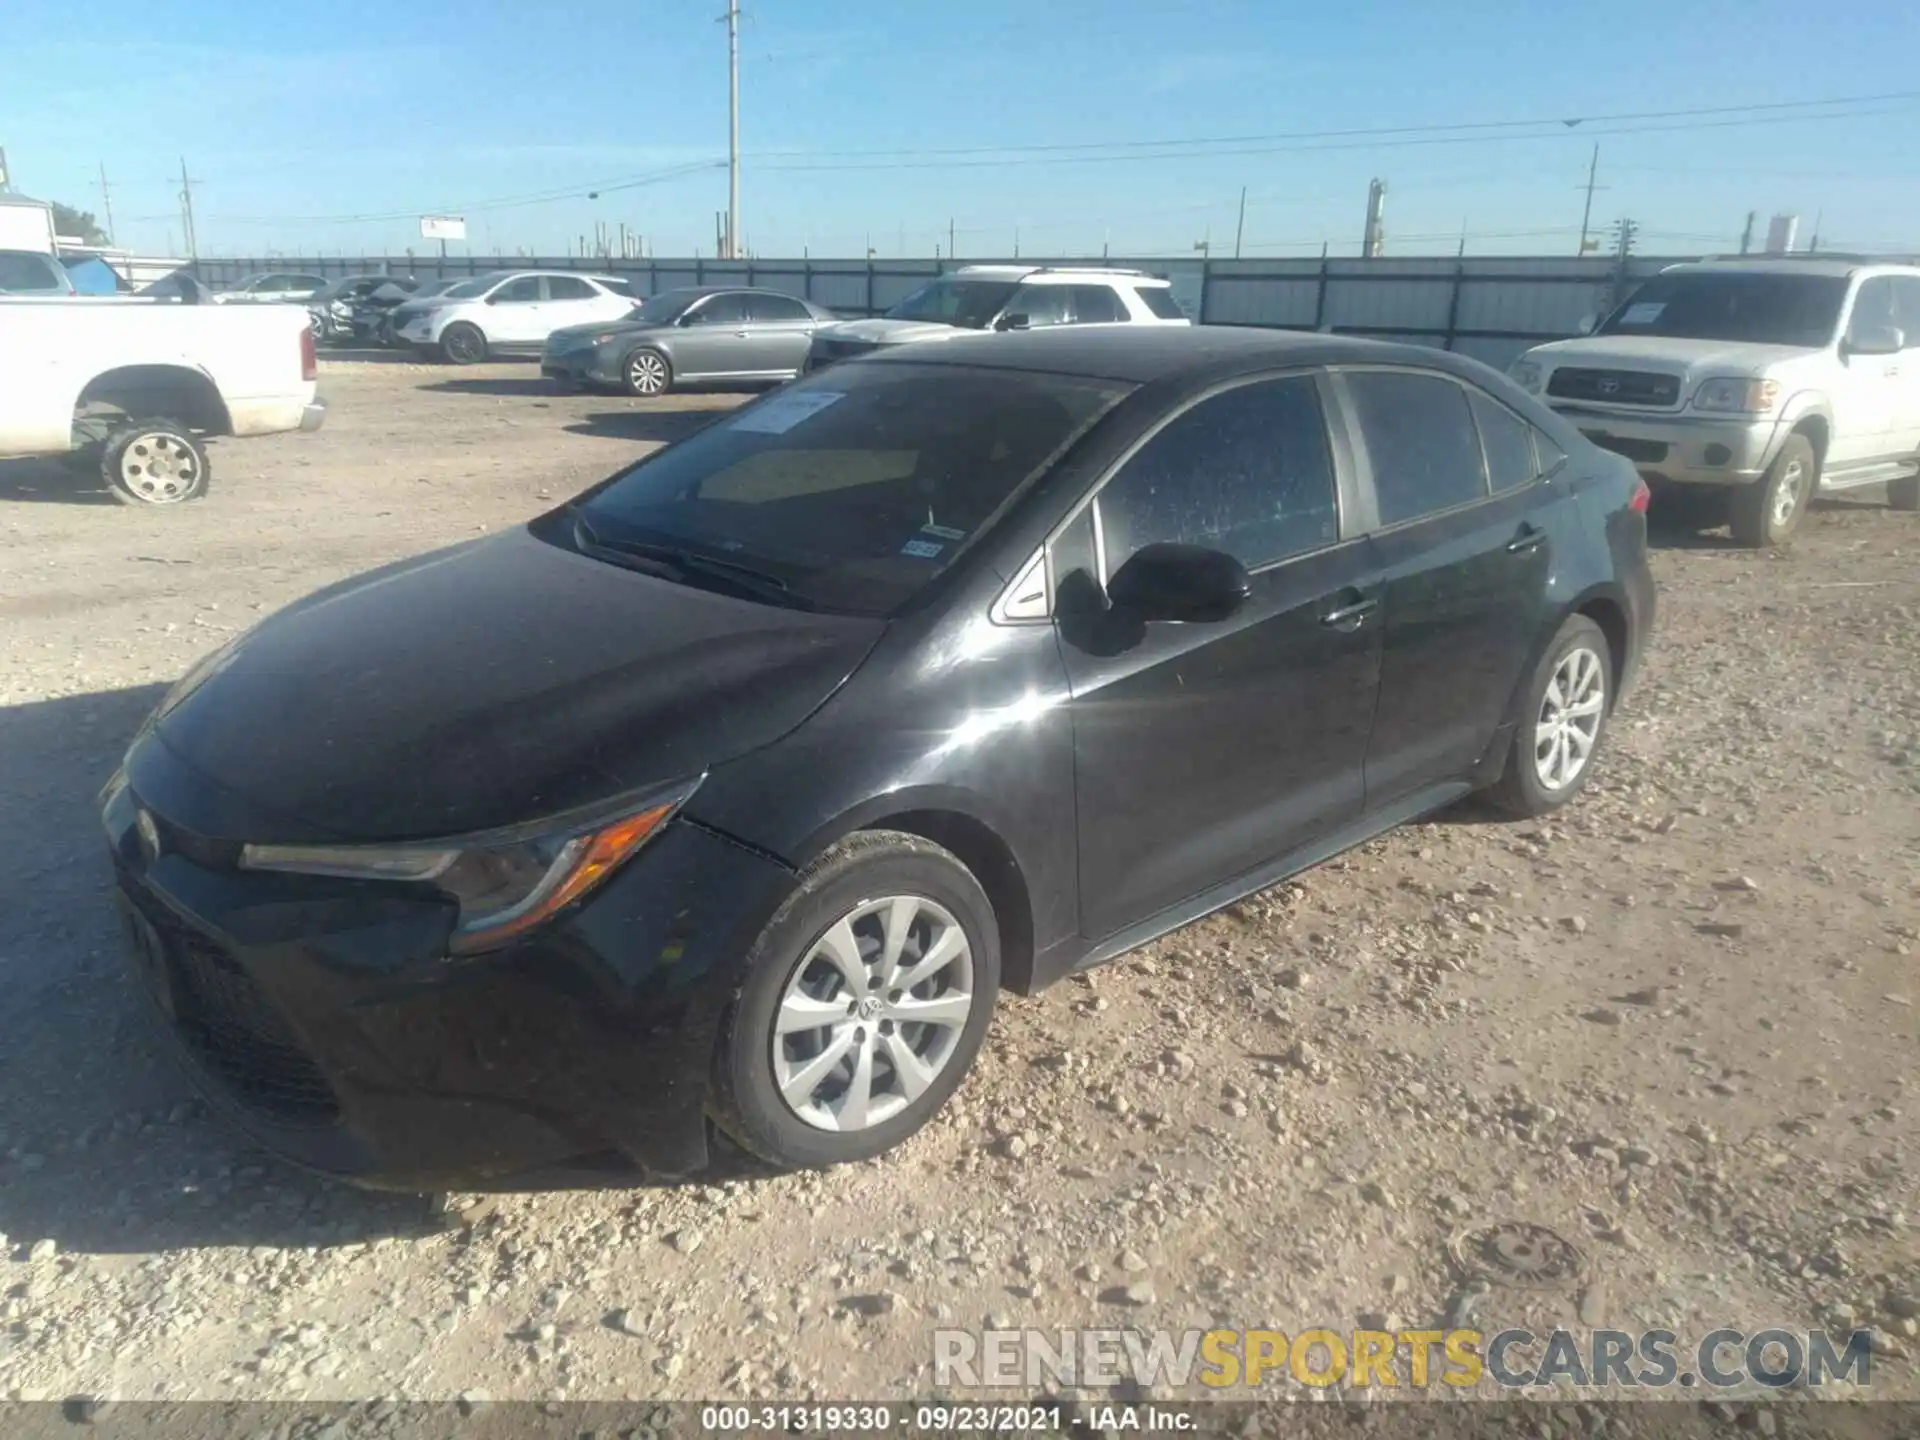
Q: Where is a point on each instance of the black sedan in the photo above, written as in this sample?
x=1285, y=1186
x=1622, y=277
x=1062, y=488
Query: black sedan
x=733, y=792
x=704, y=336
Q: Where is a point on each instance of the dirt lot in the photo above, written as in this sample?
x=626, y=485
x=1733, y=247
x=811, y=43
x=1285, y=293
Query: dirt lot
x=1674, y=1026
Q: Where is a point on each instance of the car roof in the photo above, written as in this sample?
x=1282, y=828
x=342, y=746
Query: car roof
x=1783, y=265
x=1145, y=353
x=1058, y=274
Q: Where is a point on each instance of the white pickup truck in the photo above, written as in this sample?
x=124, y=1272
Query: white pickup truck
x=1774, y=378
x=136, y=387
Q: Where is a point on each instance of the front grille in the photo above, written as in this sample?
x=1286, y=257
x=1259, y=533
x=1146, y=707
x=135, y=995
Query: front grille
x=1646, y=452
x=233, y=1030
x=1616, y=387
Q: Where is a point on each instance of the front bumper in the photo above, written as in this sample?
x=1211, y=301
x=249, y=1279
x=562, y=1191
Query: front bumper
x=314, y=415
x=1687, y=448
x=594, y=365
x=325, y=1018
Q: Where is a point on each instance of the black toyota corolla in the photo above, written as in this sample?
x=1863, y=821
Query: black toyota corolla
x=733, y=792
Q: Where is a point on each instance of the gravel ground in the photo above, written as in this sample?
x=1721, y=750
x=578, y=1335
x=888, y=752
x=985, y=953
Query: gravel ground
x=1674, y=1025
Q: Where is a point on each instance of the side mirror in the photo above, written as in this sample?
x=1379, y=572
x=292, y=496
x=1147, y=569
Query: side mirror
x=1876, y=340
x=1180, y=582
x=496, y=297
x=1588, y=324
x=1011, y=322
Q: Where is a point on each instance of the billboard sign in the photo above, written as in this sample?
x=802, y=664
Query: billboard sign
x=443, y=227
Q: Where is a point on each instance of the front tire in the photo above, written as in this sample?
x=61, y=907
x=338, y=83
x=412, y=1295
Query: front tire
x=1767, y=512
x=1561, y=722
x=462, y=344
x=647, y=374
x=154, y=462
x=865, y=1002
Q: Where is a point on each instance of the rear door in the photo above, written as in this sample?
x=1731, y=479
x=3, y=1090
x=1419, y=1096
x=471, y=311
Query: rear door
x=572, y=301
x=1202, y=751
x=713, y=338
x=1466, y=540
x=780, y=331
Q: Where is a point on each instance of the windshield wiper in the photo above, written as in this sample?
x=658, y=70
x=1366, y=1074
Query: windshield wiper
x=675, y=562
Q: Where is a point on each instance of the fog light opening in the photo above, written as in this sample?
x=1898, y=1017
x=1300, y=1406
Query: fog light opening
x=1718, y=455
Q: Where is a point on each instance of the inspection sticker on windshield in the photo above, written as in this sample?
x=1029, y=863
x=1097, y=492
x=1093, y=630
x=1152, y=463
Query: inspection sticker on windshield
x=1645, y=313
x=924, y=549
x=945, y=532
x=780, y=413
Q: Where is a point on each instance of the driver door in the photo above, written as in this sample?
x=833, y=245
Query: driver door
x=1203, y=751
x=1866, y=401
x=513, y=312
x=713, y=338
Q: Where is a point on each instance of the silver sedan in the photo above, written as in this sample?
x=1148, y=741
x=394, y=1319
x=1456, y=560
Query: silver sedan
x=713, y=335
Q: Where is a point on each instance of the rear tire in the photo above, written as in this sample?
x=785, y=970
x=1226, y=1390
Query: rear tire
x=1560, y=724
x=154, y=462
x=462, y=344
x=1904, y=494
x=887, y=1075
x=1767, y=512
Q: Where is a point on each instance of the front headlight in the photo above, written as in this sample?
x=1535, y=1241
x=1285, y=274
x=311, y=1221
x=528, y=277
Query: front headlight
x=1737, y=394
x=1526, y=374
x=605, y=339
x=506, y=882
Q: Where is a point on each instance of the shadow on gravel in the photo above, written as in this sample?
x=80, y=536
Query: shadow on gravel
x=104, y=1147
x=661, y=426
x=48, y=481
x=535, y=384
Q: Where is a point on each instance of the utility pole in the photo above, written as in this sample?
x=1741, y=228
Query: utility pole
x=1373, y=238
x=6, y=184
x=1586, y=215
x=106, y=199
x=732, y=251
x=186, y=211
x=1813, y=245
x=1746, y=235
x=950, y=250
x=1627, y=230
x=1240, y=229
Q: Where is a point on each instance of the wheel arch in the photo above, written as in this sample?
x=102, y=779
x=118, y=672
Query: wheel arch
x=1805, y=414
x=949, y=821
x=1605, y=604
x=174, y=391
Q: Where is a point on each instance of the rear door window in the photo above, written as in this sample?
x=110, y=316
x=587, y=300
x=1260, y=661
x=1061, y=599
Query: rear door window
x=566, y=287
x=1421, y=441
x=1097, y=305
x=776, y=308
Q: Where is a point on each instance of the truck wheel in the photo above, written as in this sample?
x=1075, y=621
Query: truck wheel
x=1768, y=511
x=463, y=344
x=1904, y=494
x=154, y=462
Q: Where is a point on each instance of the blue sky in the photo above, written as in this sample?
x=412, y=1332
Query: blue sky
x=293, y=122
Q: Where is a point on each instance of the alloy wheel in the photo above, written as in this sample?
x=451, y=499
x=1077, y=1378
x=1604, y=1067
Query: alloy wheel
x=1789, y=493
x=1569, y=719
x=160, y=468
x=646, y=373
x=872, y=1013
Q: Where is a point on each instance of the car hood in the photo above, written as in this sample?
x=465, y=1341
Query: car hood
x=1652, y=352
x=881, y=331
x=487, y=685
x=579, y=334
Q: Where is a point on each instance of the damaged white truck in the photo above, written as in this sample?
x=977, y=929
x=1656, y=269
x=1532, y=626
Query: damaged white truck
x=131, y=390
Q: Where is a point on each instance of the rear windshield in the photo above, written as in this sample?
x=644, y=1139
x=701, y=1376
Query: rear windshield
x=856, y=487
x=1755, y=308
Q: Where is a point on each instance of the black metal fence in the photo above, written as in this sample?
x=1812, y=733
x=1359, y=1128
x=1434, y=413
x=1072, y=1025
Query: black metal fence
x=1489, y=307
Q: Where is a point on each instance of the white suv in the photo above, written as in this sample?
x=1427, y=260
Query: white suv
x=1004, y=297
x=1776, y=377
x=511, y=312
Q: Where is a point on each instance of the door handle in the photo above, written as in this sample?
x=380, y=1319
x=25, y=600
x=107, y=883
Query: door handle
x=1351, y=616
x=1528, y=539
x=739, y=334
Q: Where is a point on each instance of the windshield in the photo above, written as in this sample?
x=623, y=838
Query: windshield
x=433, y=287
x=855, y=488
x=664, y=308
x=970, y=304
x=1756, y=308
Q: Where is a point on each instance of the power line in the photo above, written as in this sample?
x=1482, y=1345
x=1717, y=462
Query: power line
x=1374, y=131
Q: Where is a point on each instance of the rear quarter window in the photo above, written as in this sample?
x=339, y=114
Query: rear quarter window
x=1159, y=300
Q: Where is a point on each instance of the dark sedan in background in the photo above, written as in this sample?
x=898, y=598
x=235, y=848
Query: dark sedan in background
x=719, y=335
x=732, y=792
